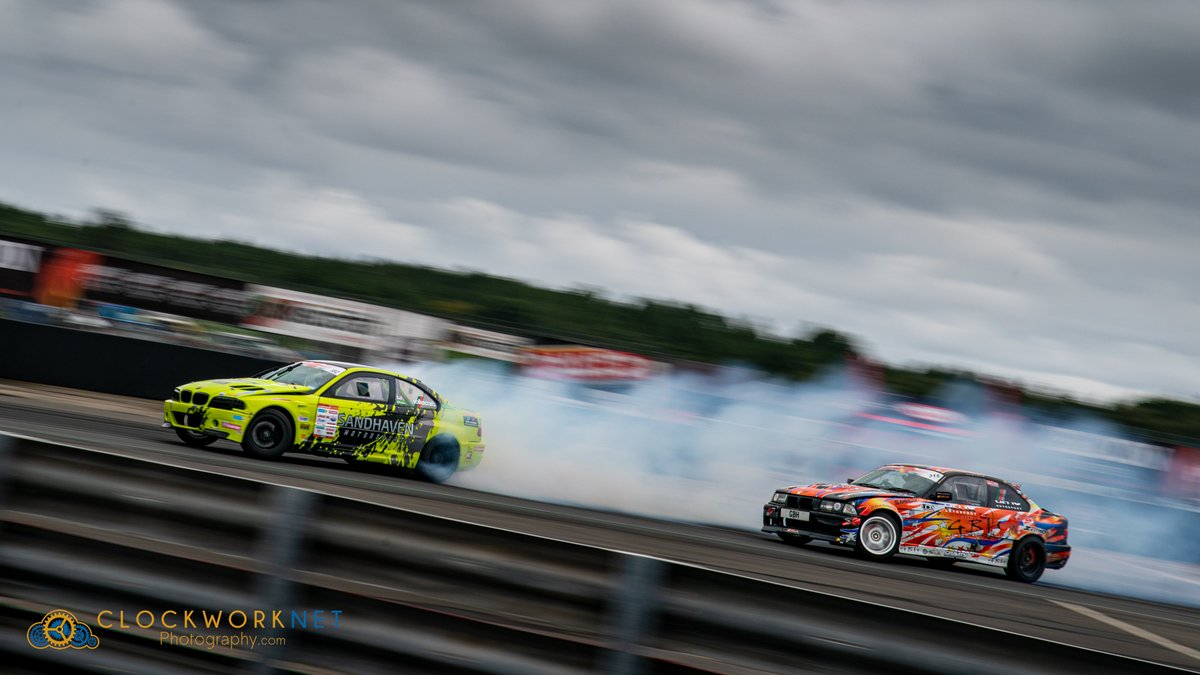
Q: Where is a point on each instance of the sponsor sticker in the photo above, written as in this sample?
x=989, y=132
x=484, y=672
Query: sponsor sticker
x=238, y=418
x=922, y=472
x=327, y=421
x=470, y=421
x=325, y=367
x=231, y=425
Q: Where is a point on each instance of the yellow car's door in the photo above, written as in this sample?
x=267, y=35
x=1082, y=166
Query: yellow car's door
x=360, y=418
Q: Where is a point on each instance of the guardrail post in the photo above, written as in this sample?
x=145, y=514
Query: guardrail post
x=279, y=549
x=7, y=459
x=632, y=613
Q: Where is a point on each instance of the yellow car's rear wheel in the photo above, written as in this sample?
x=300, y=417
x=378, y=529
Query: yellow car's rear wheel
x=439, y=459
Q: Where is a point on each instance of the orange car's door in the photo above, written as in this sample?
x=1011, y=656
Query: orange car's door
x=1005, y=505
x=962, y=519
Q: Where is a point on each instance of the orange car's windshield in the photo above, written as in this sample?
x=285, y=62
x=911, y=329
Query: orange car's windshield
x=904, y=479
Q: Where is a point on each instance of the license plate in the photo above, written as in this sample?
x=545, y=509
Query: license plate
x=793, y=514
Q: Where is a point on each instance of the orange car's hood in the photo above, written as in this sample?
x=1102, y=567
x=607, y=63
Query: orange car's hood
x=841, y=491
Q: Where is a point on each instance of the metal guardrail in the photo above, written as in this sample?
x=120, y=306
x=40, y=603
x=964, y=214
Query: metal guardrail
x=89, y=531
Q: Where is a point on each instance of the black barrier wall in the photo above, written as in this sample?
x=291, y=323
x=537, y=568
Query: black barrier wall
x=112, y=364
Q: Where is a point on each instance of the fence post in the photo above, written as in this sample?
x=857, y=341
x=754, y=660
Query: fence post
x=632, y=613
x=279, y=551
x=7, y=458
x=8, y=453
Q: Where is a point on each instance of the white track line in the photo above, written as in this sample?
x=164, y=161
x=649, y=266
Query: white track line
x=1131, y=629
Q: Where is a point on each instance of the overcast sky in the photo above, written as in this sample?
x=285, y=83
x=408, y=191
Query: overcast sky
x=1008, y=186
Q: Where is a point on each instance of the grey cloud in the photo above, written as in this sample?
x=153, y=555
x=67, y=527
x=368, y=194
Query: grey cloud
x=963, y=179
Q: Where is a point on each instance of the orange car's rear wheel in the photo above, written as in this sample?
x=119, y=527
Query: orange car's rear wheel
x=1027, y=560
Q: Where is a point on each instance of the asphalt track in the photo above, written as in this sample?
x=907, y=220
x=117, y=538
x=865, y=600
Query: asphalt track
x=1156, y=632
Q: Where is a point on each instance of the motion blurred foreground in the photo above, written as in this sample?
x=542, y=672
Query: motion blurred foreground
x=275, y=578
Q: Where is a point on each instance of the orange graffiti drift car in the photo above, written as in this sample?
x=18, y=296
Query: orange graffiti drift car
x=945, y=515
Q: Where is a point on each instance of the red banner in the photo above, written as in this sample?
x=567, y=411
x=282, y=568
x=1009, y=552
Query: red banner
x=586, y=364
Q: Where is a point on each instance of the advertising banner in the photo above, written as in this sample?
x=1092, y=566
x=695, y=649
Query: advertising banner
x=20, y=262
x=586, y=364
x=484, y=343
x=348, y=322
x=62, y=276
x=163, y=289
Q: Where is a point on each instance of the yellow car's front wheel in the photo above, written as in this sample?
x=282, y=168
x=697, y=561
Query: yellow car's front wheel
x=268, y=435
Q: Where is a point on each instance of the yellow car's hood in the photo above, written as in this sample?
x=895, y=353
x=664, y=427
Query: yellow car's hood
x=244, y=386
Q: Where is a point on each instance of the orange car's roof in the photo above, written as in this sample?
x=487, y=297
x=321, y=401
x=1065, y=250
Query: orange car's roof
x=962, y=472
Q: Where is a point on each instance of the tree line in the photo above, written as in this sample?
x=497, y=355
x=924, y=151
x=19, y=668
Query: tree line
x=666, y=330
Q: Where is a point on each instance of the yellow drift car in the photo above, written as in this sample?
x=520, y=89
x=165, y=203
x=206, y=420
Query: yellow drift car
x=332, y=409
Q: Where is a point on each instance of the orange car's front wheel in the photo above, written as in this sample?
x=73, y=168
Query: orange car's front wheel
x=878, y=537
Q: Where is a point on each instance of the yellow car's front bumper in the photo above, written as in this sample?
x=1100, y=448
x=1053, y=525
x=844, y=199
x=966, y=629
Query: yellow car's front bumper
x=229, y=424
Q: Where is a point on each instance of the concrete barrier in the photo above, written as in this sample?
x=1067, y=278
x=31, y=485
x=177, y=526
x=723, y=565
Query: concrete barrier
x=109, y=363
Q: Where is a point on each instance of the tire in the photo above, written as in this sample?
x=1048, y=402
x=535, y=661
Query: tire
x=1026, y=561
x=794, y=539
x=194, y=438
x=438, y=460
x=268, y=435
x=878, y=537
x=940, y=563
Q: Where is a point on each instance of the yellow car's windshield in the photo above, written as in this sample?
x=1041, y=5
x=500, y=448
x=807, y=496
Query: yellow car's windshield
x=307, y=374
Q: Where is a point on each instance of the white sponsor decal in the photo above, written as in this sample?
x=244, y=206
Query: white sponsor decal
x=923, y=473
x=956, y=554
x=327, y=419
x=329, y=368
